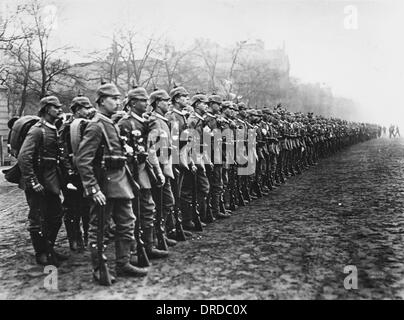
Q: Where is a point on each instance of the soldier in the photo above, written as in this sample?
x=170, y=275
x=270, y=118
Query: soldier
x=164, y=198
x=39, y=164
x=106, y=178
x=230, y=172
x=256, y=187
x=246, y=125
x=216, y=122
x=177, y=118
x=76, y=206
x=196, y=122
x=148, y=170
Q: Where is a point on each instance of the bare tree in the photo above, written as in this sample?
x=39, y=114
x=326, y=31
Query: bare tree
x=22, y=54
x=49, y=65
x=209, y=56
x=8, y=33
x=172, y=59
x=137, y=56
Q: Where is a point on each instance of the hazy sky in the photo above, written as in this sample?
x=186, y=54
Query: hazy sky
x=365, y=64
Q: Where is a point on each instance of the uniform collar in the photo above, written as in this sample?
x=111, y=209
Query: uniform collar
x=158, y=115
x=179, y=112
x=49, y=125
x=104, y=118
x=198, y=116
x=134, y=115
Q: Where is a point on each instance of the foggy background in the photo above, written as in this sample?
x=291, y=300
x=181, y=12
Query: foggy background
x=300, y=52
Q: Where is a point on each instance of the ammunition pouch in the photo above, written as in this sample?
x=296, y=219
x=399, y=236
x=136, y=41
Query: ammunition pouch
x=141, y=157
x=48, y=162
x=114, y=162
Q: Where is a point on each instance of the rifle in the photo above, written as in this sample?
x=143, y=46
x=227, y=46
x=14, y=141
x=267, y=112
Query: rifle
x=142, y=258
x=105, y=277
x=240, y=196
x=180, y=235
x=161, y=241
x=209, y=216
x=195, y=213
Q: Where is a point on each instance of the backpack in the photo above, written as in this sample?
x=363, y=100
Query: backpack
x=77, y=128
x=19, y=132
x=16, y=138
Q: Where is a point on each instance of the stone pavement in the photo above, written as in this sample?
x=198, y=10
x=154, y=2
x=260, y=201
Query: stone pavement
x=292, y=244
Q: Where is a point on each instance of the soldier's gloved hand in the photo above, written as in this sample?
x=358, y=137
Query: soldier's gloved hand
x=100, y=198
x=194, y=169
x=38, y=188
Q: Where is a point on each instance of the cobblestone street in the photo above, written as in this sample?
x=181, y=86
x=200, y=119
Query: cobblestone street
x=292, y=244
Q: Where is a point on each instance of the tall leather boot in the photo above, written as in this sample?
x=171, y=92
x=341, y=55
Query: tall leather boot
x=70, y=225
x=80, y=239
x=167, y=214
x=220, y=212
x=222, y=209
x=38, y=242
x=52, y=235
x=151, y=251
x=186, y=209
x=123, y=266
x=202, y=207
x=209, y=210
x=244, y=190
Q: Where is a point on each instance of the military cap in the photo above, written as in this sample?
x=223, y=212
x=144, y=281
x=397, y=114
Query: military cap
x=178, y=91
x=139, y=93
x=227, y=104
x=159, y=94
x=80, y=101
x=199, y=98
x=215, y=98
x=241, y=106
x=107, y=90
x=50, y=100
x=234, y=106
x=255, y=113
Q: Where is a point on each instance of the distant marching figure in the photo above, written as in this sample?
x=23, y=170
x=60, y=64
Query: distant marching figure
x=397, y=132
x=391, y=131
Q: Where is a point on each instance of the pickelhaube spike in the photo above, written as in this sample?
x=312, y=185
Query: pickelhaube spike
x=155, y=88
x=102, y=80
x=79, y=93
x=174, y=85
x=46, y=94
x=134, y=84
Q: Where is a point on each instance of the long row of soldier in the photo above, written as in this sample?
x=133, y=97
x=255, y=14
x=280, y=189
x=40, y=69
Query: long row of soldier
x=111, y=171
